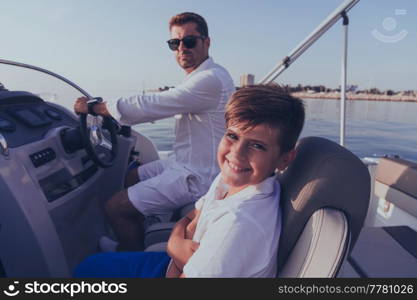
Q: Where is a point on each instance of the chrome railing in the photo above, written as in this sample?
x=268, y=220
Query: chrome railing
x=18, y=64
x=336, y=15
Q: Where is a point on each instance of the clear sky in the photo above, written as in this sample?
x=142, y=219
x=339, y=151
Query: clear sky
x=117, y=47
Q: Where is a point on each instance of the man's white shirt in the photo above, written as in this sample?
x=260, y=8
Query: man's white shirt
x=200, y=102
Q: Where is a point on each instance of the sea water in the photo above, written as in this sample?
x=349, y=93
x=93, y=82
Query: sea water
x=373, y=128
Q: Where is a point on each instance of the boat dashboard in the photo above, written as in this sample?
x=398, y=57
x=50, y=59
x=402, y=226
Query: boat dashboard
x=26, y=118
x=52, y=193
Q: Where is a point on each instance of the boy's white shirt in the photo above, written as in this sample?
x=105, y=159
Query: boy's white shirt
x=239, y=234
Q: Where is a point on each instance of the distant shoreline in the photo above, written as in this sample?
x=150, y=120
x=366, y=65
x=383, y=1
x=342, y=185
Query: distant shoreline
x=351, y=96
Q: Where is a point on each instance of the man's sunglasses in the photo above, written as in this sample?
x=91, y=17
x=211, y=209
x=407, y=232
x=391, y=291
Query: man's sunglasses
x=189, y=41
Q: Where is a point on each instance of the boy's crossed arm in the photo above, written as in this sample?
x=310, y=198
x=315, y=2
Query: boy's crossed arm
x=180, y=244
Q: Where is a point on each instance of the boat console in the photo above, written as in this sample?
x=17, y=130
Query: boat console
x=52, y=193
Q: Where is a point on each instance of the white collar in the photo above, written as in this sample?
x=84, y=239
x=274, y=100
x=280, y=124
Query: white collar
x=203, y=66
x=263, y=188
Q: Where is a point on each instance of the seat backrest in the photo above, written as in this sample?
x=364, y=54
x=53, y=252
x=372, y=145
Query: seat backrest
x=324, y=200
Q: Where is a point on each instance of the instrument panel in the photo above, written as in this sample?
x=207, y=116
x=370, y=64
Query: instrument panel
x=26, y=118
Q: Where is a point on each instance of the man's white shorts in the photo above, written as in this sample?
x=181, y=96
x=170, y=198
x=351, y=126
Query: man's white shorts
x=165, y=186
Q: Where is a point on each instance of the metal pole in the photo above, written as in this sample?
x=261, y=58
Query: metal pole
x=331, y=19
x=343, y=81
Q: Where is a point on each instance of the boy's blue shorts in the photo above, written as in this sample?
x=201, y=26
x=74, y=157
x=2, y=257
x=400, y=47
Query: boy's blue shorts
x=124, y=265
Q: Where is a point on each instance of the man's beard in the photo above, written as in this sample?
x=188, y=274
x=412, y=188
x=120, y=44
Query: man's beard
x=186, y=63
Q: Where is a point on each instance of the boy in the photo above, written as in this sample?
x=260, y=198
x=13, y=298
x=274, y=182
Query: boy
x=234, y=229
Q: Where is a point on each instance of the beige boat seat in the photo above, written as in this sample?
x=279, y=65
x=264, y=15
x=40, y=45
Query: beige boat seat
x=325, y=196
x=158, y=229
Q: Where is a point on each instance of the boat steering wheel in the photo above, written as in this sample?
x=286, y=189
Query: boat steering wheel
x=94, y=139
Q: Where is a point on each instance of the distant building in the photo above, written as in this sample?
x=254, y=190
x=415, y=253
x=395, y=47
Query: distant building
x=247, y=79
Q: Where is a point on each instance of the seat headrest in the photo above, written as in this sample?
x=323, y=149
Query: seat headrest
x=323, y=174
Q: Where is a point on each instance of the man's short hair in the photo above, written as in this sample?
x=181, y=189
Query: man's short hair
x=271, y=105
x=188, y=17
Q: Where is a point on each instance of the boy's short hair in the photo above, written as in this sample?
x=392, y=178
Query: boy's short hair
x=267, y=104
x=188, y=17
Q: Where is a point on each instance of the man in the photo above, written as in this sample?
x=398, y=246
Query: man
x=164, y=185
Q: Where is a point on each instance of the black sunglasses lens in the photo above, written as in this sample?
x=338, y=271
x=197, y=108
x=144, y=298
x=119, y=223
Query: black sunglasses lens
x=190, y=41
x=174, y=44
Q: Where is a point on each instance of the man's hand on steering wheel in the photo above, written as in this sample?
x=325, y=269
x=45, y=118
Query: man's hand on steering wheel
x=92, y=135
x=99, y=108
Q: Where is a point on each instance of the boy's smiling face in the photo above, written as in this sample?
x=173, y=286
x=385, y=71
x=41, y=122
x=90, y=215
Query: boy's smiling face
x=247, y=157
